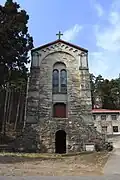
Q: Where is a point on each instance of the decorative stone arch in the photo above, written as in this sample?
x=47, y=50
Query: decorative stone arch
x=55, y=52
x=43, y=52
x=59, y=62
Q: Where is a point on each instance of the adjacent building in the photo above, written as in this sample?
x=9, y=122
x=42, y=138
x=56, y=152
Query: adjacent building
x=107, y=121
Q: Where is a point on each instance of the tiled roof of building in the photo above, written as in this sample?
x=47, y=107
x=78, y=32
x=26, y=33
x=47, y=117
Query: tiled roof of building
x=105, y=111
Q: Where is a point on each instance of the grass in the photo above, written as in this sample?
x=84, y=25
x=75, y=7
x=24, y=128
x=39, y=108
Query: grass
x=43, y=155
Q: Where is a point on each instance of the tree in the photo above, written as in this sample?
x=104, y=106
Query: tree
x=92, y=83
x=108, y=91
x=96, y=85
x=15, y=41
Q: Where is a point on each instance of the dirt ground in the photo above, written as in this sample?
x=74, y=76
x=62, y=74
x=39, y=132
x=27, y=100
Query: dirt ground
x=84, y=164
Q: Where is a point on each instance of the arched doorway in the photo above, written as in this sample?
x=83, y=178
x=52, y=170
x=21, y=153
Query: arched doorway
x=60, y=142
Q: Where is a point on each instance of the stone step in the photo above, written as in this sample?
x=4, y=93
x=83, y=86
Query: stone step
x=4, y=147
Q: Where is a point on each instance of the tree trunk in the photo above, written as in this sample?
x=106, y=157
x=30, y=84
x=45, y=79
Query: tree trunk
x=10, y=109
x=8, y=105
x=25, y=109
x=17, y=114
x=2, y=102
x=22, y=104
x=5, y=110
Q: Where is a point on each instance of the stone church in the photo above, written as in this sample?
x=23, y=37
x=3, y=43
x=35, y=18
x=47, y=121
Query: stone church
x=59, y=118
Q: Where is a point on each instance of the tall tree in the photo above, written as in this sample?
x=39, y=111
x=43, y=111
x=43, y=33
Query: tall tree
x=96, y=85
x=108, y=91
x=15, y=41
x=92, y=82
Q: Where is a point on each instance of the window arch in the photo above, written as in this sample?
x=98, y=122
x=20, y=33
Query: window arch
x=59, y=110
x=60, y=65
x=63, y=80
x=55, y=80
x=59, y=78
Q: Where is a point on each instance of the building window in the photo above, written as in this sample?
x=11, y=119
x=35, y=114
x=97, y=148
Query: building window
x=94, y=117
x=103, y=117
x=59, y=110
x=63, y=81
x=55, y=81
x=115, y=128
x=95, y=127
x=59, y=78
x=104, y=129
x=113, y=117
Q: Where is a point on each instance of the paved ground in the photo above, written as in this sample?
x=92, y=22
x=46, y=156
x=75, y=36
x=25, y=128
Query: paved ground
x=112, y=177
x=113, y=164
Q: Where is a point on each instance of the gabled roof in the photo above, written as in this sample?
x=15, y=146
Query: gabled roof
x=59, y=41
x=105, y=111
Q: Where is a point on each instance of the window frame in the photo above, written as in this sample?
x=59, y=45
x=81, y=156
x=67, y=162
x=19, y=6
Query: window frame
x=55, y=89
x=59, y=89
x=95, y=127
x=94, y=117
x=114, y=129
x=113, y=115
x=103, y=115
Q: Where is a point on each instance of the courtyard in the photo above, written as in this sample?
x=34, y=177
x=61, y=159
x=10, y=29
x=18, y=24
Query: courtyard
x=52, y=165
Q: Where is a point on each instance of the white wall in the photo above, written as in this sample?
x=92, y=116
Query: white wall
x=98, y=123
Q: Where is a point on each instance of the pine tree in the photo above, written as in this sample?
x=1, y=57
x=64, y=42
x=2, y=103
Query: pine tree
x=15, y=41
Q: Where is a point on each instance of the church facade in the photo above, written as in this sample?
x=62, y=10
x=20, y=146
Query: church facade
x=59, y=116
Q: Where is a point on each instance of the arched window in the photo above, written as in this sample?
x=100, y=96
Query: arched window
x=59, y=78
x=63, y=81
x=59, y=110
x=55, y=80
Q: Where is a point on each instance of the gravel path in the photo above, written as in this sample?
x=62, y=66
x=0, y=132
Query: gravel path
x=79, y=165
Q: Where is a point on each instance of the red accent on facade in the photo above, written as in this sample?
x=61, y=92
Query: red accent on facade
x=105, y=111
x=59, y=110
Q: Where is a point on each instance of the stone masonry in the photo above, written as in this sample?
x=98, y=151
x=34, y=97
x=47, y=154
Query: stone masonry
x=41, y=127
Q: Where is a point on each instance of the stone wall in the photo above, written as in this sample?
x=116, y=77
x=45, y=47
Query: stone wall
x=41, y=127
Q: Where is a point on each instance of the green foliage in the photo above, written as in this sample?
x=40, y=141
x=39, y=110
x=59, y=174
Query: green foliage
x=107, y=90
x=15, y=42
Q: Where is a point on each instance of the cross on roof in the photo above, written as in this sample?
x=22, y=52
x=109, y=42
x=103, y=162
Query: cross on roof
x=59, y=35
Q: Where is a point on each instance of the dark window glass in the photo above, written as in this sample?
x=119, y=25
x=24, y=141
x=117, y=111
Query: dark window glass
x=114, y=117
x=115, y=128
x=55, y=81
x=63, y=80
x=94, y=117
x=103, y=117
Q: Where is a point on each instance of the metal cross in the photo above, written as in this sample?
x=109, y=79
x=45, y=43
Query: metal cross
x=59, y=35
